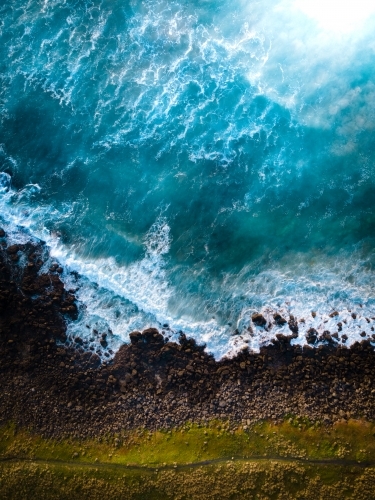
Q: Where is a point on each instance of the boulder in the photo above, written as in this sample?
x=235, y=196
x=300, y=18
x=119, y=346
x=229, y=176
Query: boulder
x=152, y=335
x=13, y=249
x=293, y=325
x=258, y=319
x=279, y=320
x=135, y=337
x=311, y=336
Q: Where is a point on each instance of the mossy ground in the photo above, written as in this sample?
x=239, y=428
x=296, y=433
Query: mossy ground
x=269, y=461
x=294, y=438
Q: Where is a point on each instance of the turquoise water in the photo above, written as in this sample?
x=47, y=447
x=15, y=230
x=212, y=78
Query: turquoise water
x=194, y=162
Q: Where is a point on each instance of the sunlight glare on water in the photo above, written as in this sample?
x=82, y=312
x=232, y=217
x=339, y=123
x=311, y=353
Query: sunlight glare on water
x=339, y=16
x=195, y=162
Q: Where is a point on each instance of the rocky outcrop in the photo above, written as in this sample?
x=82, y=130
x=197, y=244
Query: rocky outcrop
x=59, y=387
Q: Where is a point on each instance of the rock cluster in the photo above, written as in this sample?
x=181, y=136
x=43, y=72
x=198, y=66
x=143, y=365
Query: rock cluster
x=60, y=388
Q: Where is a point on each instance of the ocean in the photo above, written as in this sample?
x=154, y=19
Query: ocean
x=192, y=163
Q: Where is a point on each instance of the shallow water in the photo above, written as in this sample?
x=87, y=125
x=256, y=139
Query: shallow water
x=195, y=163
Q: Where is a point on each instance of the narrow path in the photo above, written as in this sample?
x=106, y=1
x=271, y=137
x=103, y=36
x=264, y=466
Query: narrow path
x=215, y=461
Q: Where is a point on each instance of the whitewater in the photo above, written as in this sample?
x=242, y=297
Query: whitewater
x=192, y=164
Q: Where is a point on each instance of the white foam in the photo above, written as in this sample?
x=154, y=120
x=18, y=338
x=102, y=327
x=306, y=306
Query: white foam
x=252, y=45
x=120, y=299
x=276, y=44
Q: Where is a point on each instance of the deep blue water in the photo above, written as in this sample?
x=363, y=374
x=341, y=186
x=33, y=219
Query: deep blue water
x=194, y=162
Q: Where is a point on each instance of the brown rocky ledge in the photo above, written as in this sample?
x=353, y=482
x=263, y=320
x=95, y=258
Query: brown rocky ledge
x=62, y=389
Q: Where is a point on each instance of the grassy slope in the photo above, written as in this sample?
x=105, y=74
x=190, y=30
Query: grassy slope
x=94, y=469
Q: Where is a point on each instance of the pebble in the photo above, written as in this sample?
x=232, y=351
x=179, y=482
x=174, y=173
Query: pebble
x=152, y=383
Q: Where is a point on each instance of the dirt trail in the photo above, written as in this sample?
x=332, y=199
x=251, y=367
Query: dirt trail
x=216, y=461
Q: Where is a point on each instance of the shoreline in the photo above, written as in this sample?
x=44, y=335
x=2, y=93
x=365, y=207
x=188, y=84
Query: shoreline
x=61, y=389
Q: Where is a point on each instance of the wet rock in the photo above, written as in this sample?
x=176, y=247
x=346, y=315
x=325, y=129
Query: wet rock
x=13, y=249
x=293, y=325
x=311, y=336
x=151, y=383
x=333, y=314
x=285, y=339
x=279, y=320
x=258, y=319
x=152, y=335
x=2, y=232
x=326, y=337
x=135, y=337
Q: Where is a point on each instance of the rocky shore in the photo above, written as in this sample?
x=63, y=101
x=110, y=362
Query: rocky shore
x=60, y=388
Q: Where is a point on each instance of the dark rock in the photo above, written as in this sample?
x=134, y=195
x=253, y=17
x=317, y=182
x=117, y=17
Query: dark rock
x=285, y=338
x=258, y=319
x=13, y=249
x=293, y=325
x=151, y=383
x=2, y=232
x=326, y=337
x=279, y=320
x=135, y=337
x=311, y=336
x=152, y=335
x=333, y=314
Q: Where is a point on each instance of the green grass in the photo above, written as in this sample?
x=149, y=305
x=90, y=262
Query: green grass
x=294, y=438
x=163, y=464
x=266, y=480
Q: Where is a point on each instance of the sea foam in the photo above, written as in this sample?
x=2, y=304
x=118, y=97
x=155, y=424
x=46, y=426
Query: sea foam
x=117, y=300
x=194, y=164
